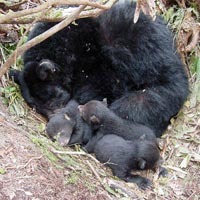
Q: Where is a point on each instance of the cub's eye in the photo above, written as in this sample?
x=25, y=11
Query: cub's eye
x=53, y=70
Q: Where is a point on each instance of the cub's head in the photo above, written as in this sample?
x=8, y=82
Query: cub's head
x=60, y=127
x=94, y=112
x=47, y=70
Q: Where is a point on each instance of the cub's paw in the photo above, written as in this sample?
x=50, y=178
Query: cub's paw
x=144, y=183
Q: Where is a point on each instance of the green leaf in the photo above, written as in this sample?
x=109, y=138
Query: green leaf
x=42, y=127
x=2, y=171
x=185, y=161
x=195, y=66
x=198, y=68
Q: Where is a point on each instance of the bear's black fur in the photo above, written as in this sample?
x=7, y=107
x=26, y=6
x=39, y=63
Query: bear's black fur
x=122, y=156
x=68, y=127
x=134, y=66
x=103, y=121
x=49, y=94
x=124, y=145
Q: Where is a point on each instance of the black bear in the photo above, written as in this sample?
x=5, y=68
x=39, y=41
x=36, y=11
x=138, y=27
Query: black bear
x=122, y=156
x=102, y=120
x=49, y=94
x=122, y=145
x=134, y=66
x=67, y=126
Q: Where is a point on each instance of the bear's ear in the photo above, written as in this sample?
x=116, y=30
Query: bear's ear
x=94, y=120
x=105, y=103
x=141, y=163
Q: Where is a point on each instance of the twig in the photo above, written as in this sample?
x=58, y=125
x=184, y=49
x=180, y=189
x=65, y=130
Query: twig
x=47, y=5
x=192, y=196
x=95, y=173
x=55, y=15
x=3, y=57
x=75, y=153
x=195, y=38
x=27, y=30
x=98, y=178
x=23, y=166
x=148, y=7
x=34, y=158
x=64, y=161
x=181, y=4
x=38, y=117
x=13, y=6
x=39, y=39
x=58, y=14
x=176, y=169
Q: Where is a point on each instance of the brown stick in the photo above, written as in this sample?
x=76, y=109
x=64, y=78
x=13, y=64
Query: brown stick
x=53, y=15
x=48, y=4
x=195, y=39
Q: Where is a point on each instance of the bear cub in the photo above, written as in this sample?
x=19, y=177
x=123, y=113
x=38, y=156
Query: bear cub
x=122, y=145
x=101, y=118
x=67, y=126
x=122, y=156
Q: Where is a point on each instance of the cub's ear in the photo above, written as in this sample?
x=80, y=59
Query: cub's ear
x=94, y=120
x=105, y=103
x=141, y=163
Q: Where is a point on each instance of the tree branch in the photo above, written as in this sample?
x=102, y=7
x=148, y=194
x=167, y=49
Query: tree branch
x=46, y=5
x=53, y=15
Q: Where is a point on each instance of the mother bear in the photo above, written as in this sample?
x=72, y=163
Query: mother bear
x=134, y=66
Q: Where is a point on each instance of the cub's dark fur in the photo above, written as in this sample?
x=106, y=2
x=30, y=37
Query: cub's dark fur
x=104, y=121
x=122, y=156
x=124, y=146
x=67, y=125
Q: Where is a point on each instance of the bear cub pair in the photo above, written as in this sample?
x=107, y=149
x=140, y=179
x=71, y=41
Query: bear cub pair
x=122, y=145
